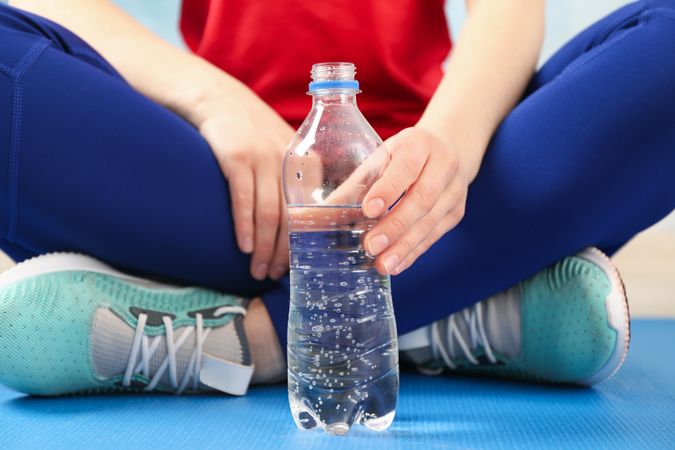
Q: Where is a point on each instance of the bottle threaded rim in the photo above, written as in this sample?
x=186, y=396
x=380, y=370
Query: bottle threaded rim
x=333, y=75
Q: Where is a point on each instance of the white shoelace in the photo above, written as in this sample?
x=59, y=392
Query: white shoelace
x=445, y=345
x=142, y=344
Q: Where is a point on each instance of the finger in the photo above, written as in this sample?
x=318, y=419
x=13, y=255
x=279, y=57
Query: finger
x=407, y=160
x=391, y=258
x=279, y=264
x=352, y=190
x=420, y=199
x=266, y=220
x=241, y=193
x=449, y=222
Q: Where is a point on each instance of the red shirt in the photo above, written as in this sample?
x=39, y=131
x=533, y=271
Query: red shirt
x=398, y=47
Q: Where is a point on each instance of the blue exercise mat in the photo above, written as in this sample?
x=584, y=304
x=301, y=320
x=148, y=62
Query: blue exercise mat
x=636, y=409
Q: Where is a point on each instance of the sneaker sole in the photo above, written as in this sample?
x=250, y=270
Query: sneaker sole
x=69, y=262
x=618, y=315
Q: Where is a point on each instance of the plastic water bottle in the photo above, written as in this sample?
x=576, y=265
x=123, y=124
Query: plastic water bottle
x=342, y=347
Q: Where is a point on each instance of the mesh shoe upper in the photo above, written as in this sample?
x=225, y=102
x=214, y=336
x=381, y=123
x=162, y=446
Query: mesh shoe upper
x=72, y=331
x=565, y=330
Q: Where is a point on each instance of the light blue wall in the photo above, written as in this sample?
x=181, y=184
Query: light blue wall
x=161, y=16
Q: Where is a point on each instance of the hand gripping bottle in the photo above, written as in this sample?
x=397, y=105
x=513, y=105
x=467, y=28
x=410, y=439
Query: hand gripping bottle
x=342, y=347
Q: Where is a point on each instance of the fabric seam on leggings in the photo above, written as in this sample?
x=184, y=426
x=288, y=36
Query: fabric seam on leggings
x=645, y=15
x=7, y=70
x=585, y=58
x=602, y=48
x=638, y=8
x=15, y=134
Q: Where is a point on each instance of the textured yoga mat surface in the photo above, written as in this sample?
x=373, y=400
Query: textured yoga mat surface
x=636, y=409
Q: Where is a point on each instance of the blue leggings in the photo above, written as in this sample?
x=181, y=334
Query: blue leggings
x=89, y=165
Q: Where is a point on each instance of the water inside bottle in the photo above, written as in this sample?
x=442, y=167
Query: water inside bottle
x=342, y=348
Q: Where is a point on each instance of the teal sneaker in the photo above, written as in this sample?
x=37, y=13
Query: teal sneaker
x=71, y=324
x=567, y=324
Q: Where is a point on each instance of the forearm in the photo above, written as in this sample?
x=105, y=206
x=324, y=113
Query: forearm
x=162, y=72
x=490, y=65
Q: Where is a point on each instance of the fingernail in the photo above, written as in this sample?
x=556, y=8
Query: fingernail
x=247, y=244
x=390, y=262
x=260, y=271
x=374, y=207
x=398, y=270
x=378, y=243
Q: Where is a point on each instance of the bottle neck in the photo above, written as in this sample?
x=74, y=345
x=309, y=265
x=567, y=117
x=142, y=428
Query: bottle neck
x=334, y=97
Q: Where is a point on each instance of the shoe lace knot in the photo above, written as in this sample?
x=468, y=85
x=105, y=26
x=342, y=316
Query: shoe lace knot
x=474, y=337
x=147, y=345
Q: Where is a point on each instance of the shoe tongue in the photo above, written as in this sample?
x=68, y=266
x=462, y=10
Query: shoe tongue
x=111, y=344
x=501, y=320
